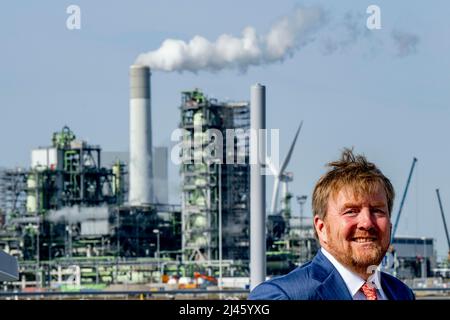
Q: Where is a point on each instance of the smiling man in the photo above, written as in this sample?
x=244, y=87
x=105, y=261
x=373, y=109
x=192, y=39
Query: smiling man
x=352, y=206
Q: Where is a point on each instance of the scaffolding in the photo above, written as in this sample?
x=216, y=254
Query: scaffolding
x=13, y=194
x=211, y=186
x=70, y=173
x=64, y=176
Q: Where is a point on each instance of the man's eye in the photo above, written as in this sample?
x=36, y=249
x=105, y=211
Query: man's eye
x=379, y=212
x=350, y=211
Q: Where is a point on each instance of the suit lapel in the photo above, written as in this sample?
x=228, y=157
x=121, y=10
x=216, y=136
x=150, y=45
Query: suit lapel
x=332, y=285
x=387, y=288
x=334, y=288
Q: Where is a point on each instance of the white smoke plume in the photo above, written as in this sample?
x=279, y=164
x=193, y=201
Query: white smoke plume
x=287, y=35
x=77, y=214
x=344, y=33
x=405, y=42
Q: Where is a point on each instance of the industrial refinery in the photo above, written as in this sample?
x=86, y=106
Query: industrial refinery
x=81, y=219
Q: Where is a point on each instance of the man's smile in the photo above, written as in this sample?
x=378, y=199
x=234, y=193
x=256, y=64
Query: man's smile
x=364, y=239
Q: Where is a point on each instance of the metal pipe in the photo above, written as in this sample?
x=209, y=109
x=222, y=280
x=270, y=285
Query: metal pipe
x=141, y=188
x=220, y=226
x=257, y=186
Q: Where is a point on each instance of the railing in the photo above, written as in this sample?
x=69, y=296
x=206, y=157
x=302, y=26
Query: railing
x=145, y=294
x=142, y=294
x=431, y=289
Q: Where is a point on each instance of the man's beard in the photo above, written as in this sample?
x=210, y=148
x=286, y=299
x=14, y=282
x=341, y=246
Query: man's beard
x=366, y=258
x=361, y=260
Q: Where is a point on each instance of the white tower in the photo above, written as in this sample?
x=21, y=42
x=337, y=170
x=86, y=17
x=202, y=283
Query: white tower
x=141, y=188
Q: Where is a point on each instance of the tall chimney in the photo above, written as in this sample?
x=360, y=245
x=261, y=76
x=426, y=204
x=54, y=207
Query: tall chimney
x=257, y=185
x=140, y=167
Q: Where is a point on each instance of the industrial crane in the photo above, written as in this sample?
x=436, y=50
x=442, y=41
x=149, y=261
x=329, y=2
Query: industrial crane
x=391, y=248
x=403, y=199
x=445, y=224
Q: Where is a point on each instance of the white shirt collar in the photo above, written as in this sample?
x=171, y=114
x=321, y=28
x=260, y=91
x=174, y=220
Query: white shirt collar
x=353, y=281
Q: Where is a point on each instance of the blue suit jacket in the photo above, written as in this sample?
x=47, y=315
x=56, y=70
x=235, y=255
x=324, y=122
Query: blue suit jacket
x=320, y=280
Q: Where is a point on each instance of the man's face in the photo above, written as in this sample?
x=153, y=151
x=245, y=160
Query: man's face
x=356, y=230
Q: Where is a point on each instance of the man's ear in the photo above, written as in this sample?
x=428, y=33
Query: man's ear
x=319, y=224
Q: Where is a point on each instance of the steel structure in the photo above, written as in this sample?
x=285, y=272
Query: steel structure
x=67, y=205
x=13, y=194
x=209, y=185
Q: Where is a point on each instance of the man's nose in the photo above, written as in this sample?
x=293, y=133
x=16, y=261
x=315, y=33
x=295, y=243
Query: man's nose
x=365, y=219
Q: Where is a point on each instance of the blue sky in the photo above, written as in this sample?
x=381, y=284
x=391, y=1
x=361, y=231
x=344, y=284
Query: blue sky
x=388, y=107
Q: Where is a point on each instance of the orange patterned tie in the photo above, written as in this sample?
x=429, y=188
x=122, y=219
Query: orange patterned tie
x=369, y=291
